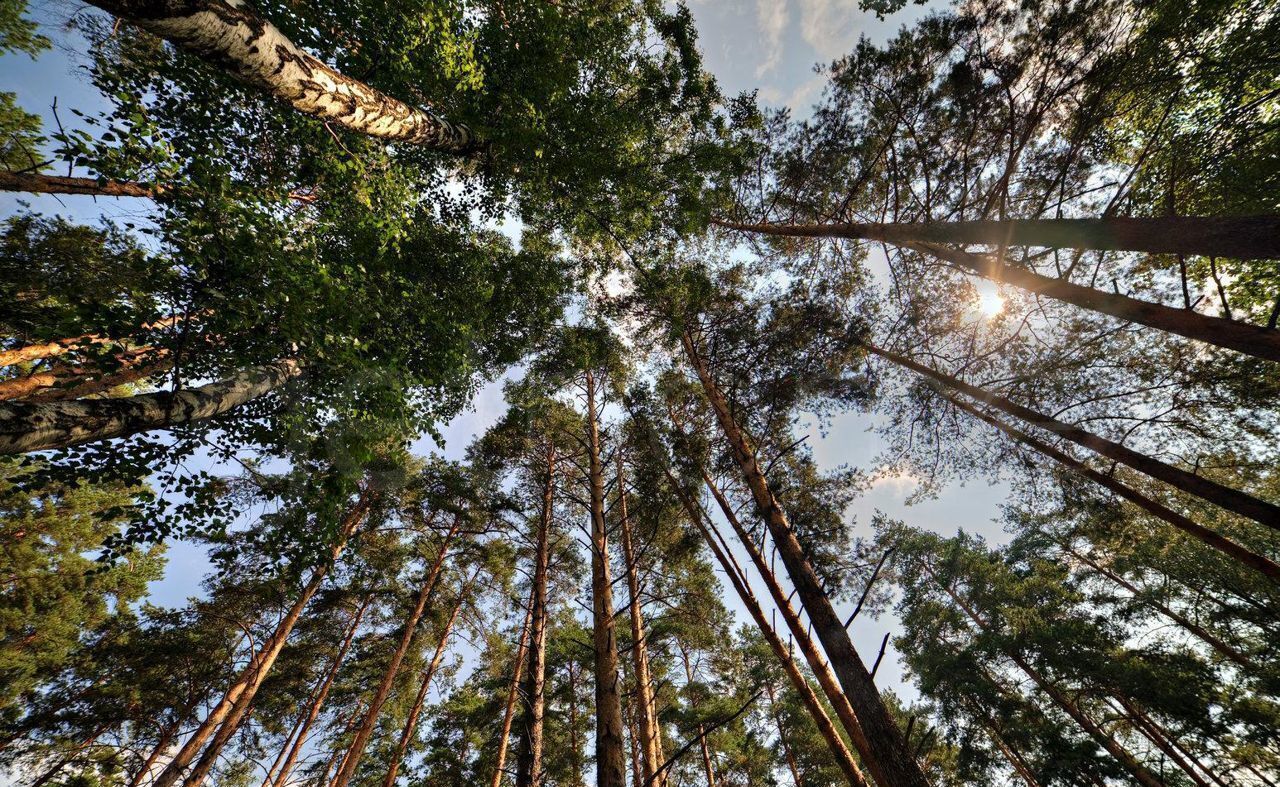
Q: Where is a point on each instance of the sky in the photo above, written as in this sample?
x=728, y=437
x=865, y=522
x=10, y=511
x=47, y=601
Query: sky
x=771, y=47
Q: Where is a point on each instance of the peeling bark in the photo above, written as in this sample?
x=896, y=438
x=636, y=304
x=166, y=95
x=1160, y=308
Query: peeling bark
x=229, y=35
x=32, y=426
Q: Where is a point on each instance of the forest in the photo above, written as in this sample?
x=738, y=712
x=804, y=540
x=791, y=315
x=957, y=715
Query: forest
x=263, y=257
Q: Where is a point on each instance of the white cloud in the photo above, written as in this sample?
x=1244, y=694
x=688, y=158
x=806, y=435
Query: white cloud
x=772, y=17
x=830, y=26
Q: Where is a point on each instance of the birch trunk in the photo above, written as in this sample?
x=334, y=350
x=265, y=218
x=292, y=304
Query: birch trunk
x=26, y=427
x=229, y=35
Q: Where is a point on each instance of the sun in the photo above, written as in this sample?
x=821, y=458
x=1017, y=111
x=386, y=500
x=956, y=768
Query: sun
x=990, y=304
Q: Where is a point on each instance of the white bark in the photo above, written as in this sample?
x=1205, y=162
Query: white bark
x=29, y=426
x=229, y=34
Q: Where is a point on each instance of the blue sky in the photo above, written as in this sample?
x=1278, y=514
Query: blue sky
x=748, y=44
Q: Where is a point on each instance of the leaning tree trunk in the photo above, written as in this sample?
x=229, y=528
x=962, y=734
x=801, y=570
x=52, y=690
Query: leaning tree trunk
x=885, y=753
x=513, y=693
x=1107, y=481
x=36, y=183
x=792, y=763
x=230, y=36
x=611, y=759
x=365, y=730
x=650, y=734
x=223, y=721
x=708, y=768
x=1239, y=237
x=1232, y=500
x=839, y=752
x=1255, y=340
x=411, y=723
x=529, y=760
x=26, y=427
x=295, y=749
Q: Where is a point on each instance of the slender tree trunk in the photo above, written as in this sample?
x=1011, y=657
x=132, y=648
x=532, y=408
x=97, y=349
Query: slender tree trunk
x=225, y=718
x=289, y=739
x=792, y=764
x=35, y=352
x=575, y=741
x=611, y=767
x=295, y=749
x=1254, y=340
x=1122, y=755
x=37, y=183
x=340, y=754
x=1241, y=503
x=166, y=737
x=365, y=731
x=230, y=36
x=513, y=693
x=44, y=778
x=529, y=760
x=411, y=723
x=1182, y=523
x=651, y=757
x=31, y=426
x=1239, y=237
x=884, y=749
x=637, y=775
x=708, y=766
x=839, y=752
x=1222, y=648
x=1154, y=734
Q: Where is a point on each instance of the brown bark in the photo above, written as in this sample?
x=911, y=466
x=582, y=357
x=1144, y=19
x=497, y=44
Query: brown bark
x=1154, y=734
x=792, y=764
x=646, y=713
x=221, y=722
x=166, y=737
x=575, y=742
x=411, y=723
x=1255, y=340
x=231, y=37
x=295, y=749
x=31, y=426
x=513, y=693
x=529, y=760
x=45, y=777
x=611, y=766
x=1230, y=499
x=1186, y=525
x=365, y=730
x=882, y=746
x=37, y=183
x=737, y=578
x=1122, y=755
x=707, y=766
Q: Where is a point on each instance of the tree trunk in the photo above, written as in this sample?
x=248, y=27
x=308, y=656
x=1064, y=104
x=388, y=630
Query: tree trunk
x=1154, y=734
x=162, y=743
x=225, y=718
x=839, y=752
x=230, y=36
x=1196, y=531
x=1122, y=755
x=611, y=760
x=340, y=754
x=646, y=713
x=884, y=751
x=411, y=723
x=295, y=749
x=71, y=756
x=1254, y=340
x=513, y=692
x=37, y=183
x=365, y=730
x=707, y=766
x=529, y=761
x=792, y=764
x=1241, y=503
x=575, y=742
x=26, y=427
x=1238, y=237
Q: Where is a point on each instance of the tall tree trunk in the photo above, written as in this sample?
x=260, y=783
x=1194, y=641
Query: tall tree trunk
x=1239, y=237
x=575, y=741
x=166, y=737
x=637, y=774
x=646, y=713
x=792, y=763
x=365, y=731
x=1201, y=633
x=35, y=352
x=223, y=721
x=611, y=760
x=1233, y=500
x=1059, y=697
x=1154, y=734
x=708, y=767
x=411, y=723
x=529, y=760
x=1255, y=340
x=884, y=751
x=37, y=183
x=513, y=693
x=341, y=753
x=31, y=426
x=45, y=777
x=230, y=36
x=295, y=749
x=1109, y=482
x=737, y=578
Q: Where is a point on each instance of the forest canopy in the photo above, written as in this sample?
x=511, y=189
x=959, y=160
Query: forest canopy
x=512, y=402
